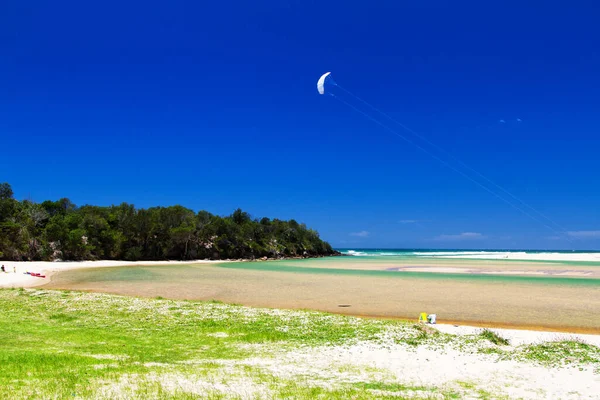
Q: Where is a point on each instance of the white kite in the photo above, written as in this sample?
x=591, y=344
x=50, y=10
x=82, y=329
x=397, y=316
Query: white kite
x=321, y=82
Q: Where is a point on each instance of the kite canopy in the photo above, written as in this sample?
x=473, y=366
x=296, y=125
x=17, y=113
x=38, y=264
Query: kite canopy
x=321, y=82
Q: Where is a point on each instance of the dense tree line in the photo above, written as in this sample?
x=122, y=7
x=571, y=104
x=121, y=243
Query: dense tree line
x=60, y=230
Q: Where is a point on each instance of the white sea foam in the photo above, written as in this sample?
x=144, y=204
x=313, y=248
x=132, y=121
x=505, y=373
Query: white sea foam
x=468, y=254
x=481, y=255
x=519, y=255
x=355, y=253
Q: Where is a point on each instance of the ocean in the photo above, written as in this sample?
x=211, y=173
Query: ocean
x=590, y=256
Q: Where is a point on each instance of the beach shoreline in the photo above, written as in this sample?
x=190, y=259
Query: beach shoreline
x=20, y=278
x=210, y=344
x=50, y=269
x=458, y=325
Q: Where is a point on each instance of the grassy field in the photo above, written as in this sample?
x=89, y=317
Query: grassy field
x=60, y=344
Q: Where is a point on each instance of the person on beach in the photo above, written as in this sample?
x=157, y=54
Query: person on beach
x=2, y=268
x=14, y=269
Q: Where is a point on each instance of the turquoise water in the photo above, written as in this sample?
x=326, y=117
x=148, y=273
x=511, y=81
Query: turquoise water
x=358, y=259
x=372, y=282
x=379, y=263
x=312, y=267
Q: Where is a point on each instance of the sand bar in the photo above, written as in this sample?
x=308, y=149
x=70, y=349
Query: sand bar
x=482, y=303
x=15, y=275
x=464, y=266
x=520, y=303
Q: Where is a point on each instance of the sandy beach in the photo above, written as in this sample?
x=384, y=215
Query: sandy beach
x=481, y=303
x=389, y=357
x=16, y=271
x=459, y=298
x=370, y=297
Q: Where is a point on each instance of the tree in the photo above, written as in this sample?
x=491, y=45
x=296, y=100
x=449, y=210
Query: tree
x=240, y=217
x=61, y=230
x=6, y=192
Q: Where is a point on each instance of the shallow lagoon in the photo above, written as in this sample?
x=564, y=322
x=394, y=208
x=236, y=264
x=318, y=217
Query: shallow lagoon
x=488, y=292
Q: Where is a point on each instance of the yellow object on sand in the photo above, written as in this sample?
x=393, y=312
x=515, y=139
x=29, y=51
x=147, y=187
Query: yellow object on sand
x=423, y=317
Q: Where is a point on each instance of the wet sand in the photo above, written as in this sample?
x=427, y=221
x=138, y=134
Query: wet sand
x=549, y=303
x=499, y=271
x=467, y=266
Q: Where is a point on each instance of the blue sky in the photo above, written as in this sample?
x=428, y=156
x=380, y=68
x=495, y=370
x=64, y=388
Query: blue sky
x=214, y=106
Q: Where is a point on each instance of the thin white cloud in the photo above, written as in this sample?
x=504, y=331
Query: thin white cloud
x=584, y=234
x=519, y=120
x=502, y=121
x=460, y=236
x=408, y=221
x=362, y=234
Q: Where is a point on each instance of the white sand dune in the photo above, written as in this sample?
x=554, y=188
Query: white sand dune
x=441, y=368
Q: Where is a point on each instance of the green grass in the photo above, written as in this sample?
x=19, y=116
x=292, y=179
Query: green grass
x=60, y=344
x=424, y=335
x=65, y=344
x=494, y=337
x=392, y=387
x=477, y=392
x=566, y=352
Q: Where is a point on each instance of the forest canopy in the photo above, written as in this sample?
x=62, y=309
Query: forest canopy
x=60, y=230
